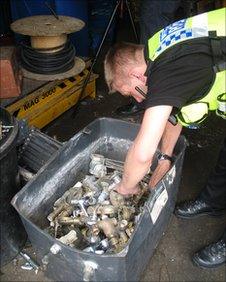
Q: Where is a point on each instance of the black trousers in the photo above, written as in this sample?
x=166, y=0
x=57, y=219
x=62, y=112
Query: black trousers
x=215, y=191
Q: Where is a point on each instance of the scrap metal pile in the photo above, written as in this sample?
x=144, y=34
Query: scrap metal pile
x=92, y=216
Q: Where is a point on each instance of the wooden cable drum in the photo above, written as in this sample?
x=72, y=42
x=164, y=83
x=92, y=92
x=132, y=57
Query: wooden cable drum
x=48, y=44
x=48, y=37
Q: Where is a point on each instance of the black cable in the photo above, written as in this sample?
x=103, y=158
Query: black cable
x=47, y=63
x=96, y=56
x=118, y=3
x=51, y=10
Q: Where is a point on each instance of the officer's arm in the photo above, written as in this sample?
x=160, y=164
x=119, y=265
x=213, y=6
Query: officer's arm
x=140, y=155
x=168, y=142
x=169, y=138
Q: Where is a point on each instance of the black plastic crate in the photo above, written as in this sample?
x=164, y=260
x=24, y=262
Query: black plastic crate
x=34, y=202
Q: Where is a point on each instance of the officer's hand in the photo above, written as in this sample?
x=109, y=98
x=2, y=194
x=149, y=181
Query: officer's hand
x=125, y=191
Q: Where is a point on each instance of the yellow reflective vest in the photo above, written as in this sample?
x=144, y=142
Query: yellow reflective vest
x=212, y=25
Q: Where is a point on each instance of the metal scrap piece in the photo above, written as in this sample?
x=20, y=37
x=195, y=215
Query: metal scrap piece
x=69, y=238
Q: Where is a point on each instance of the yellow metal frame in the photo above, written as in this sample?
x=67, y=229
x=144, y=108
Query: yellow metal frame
x=48, y=102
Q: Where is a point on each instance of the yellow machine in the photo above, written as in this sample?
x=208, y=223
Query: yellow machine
x=48, y=102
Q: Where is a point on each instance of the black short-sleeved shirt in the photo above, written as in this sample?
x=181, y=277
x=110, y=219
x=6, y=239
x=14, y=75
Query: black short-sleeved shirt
x=175, y=79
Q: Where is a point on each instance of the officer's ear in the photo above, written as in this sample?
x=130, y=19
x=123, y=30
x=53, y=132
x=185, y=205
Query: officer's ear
x=138, y=75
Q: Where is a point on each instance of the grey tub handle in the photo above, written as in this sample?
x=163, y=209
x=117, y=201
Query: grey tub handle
x=89, y=266
x=89, y=270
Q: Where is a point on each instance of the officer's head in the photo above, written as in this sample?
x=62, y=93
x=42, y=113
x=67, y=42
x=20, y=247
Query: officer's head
x=124, y=68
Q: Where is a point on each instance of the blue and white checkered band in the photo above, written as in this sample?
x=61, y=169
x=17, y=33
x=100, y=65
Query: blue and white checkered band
x=173, y=33
x=172, y=28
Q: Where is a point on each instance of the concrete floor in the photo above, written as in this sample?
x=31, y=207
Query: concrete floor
x=172, y=258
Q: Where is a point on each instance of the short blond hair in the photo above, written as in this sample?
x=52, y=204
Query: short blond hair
x=117, y=60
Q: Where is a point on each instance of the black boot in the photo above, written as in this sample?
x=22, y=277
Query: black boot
x=212, y=255
x=197, y=207
x=129, y=109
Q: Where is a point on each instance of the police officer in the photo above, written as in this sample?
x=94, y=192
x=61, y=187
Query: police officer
x=155, y=15
x=182, y=72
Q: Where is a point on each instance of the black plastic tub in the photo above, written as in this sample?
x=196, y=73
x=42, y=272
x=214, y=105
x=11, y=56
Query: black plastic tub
x=13, y=235
x=34, y=202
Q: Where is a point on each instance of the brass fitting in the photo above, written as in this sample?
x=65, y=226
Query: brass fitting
x=116, y=199
x=95, y=230
x=74, y=191
x=66, y=212
x=126, y=213
x=70, y=221
x=56, y=212
x=108, y=226
x=108, y=210
x=69, y=238
x=102, y=210
x=129, y=231
x=122, y=224
x=123, y=237
x=113, y=241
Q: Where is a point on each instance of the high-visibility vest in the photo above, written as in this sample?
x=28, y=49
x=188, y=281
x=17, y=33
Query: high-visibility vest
x=212, y=25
